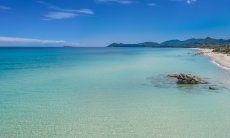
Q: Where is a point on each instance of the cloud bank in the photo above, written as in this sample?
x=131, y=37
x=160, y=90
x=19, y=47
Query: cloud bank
x=17, y=41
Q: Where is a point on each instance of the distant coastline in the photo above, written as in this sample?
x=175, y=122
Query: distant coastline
x=217, y=49
x=189, y=43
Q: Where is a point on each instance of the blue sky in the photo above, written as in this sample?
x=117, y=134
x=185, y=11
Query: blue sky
x=101, y=22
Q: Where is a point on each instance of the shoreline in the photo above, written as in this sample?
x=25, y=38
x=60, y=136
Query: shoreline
x=220, y=59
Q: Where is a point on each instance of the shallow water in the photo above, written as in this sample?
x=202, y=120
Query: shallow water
x=110, y=92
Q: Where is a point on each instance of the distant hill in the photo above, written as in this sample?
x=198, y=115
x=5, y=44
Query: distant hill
x=145, y=44
x=190, y=43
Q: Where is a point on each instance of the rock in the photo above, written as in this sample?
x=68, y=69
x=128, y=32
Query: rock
x=188, y=79
x=172, y=75
x=193, y=82
x=212, y=88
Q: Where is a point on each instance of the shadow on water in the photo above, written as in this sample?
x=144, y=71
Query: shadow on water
x=164, y=82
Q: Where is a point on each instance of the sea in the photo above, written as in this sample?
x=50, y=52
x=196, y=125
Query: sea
x=111, y=93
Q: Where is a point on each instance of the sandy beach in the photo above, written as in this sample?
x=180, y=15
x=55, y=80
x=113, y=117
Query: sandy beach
x=218, y=58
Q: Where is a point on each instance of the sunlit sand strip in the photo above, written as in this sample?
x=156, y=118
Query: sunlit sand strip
x=220, y=59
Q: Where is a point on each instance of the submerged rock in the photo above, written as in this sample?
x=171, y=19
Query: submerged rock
x=188, y=79
x=212, y=88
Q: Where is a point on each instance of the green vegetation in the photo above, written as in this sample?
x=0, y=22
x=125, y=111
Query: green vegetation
x=222, y=49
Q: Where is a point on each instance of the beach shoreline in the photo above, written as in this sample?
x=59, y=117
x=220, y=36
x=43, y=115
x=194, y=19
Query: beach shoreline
x=220, y=59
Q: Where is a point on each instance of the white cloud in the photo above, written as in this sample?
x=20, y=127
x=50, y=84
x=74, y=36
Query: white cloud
x=191, y=1
x=152, y=4
x=63, y=13
x=117, y=1
x=4, y=7
x=17, y=41
x=187, y=1
x=59, y=15
x=85, y=11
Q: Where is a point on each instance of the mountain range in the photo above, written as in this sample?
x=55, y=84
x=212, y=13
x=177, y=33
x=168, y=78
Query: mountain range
x=189, y=43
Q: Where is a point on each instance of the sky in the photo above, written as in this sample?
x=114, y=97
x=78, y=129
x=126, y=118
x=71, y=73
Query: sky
x=97, y=23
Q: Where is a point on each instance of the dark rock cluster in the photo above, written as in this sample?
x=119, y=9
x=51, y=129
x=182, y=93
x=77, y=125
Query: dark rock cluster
x=188, y=79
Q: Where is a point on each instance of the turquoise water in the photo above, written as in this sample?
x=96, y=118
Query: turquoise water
x=110, y=92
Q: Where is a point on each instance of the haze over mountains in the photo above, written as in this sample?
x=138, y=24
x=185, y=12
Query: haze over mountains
x=189, y=43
